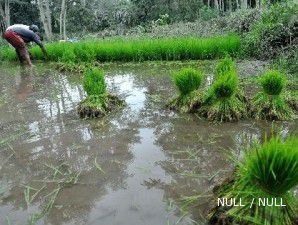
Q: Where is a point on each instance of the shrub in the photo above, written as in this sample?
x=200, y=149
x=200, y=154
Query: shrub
x=266, y=171
x=188, y=80
x=273, y=32
x=273, y=82
x=225, y=65
x=94, y=83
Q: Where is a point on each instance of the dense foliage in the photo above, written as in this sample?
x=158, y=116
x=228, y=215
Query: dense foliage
x=274, y=32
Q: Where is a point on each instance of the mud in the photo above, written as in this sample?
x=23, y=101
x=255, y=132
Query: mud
x=133, y=167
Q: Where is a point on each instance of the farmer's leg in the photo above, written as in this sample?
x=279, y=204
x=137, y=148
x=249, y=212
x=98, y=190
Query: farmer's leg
x=18, y=43
x=25, y=55
x=19, y=56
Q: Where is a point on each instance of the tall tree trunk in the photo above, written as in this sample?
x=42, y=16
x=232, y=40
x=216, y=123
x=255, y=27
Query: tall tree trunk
x=63, y=20
x=216, y=4
x=230, y=6
x=244, y=4
x=7, y=12
x=45, y=17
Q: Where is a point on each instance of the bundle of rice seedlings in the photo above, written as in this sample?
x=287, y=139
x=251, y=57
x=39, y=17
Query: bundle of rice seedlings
x=188, y=82
x=98, y=102
x=271, y=103
x=224, y=66
x=223, y=101
x=267, y=174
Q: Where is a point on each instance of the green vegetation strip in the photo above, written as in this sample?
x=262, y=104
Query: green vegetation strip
x=136, y=49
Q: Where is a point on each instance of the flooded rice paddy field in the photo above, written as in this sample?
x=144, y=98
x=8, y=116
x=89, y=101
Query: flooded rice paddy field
x=133, y=167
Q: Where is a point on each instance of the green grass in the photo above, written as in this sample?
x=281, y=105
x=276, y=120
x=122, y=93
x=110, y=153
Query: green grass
x=188, y=80
x=137, y=49
x=266, y=171
x=94, y=82
x=271, y=103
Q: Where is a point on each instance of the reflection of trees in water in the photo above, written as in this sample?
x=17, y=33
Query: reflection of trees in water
x=57, y=138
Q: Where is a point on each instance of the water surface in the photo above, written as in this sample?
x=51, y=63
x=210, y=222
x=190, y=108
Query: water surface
x=130, y=168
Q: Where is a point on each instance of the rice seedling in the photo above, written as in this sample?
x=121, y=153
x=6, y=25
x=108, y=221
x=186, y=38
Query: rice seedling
x=271, y=103
x=224, y=101
x=267, y=171
x=94, y=83
x=98, y=102
x=188, y=82
x=136, y=49
x=224, y=66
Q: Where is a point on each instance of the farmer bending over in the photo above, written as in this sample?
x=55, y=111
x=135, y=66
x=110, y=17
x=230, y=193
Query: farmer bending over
x=18, y=35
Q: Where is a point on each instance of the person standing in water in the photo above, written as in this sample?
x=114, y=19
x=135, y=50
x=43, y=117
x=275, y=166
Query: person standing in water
x=18, y=36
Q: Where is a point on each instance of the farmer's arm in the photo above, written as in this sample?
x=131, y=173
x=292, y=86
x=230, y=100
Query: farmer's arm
x=41, y=45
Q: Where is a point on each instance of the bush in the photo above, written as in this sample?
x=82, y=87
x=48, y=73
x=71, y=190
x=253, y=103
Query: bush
x=94, y=83
x=273, y=82
x=275, y=30
x=188, y=80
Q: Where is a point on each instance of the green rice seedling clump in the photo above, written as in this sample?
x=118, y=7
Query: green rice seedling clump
x=273, y=82
x=224, y=66
x=223, y=101
x=94, y=82
x=188, y=82
x=272, y=102
x=98, y=102
x=267, y=171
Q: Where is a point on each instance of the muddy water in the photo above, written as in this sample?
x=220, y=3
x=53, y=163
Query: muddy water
x=130, y=168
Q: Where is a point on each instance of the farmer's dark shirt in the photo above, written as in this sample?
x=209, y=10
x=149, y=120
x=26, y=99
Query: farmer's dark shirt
x=27, y=35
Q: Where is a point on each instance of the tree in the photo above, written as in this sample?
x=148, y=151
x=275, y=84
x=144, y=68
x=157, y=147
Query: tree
x=63, y=20
x=6, y=12
x=45, y=17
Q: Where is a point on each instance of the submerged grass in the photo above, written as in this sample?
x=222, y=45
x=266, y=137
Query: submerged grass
x=136, y=49
x=267, y=171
